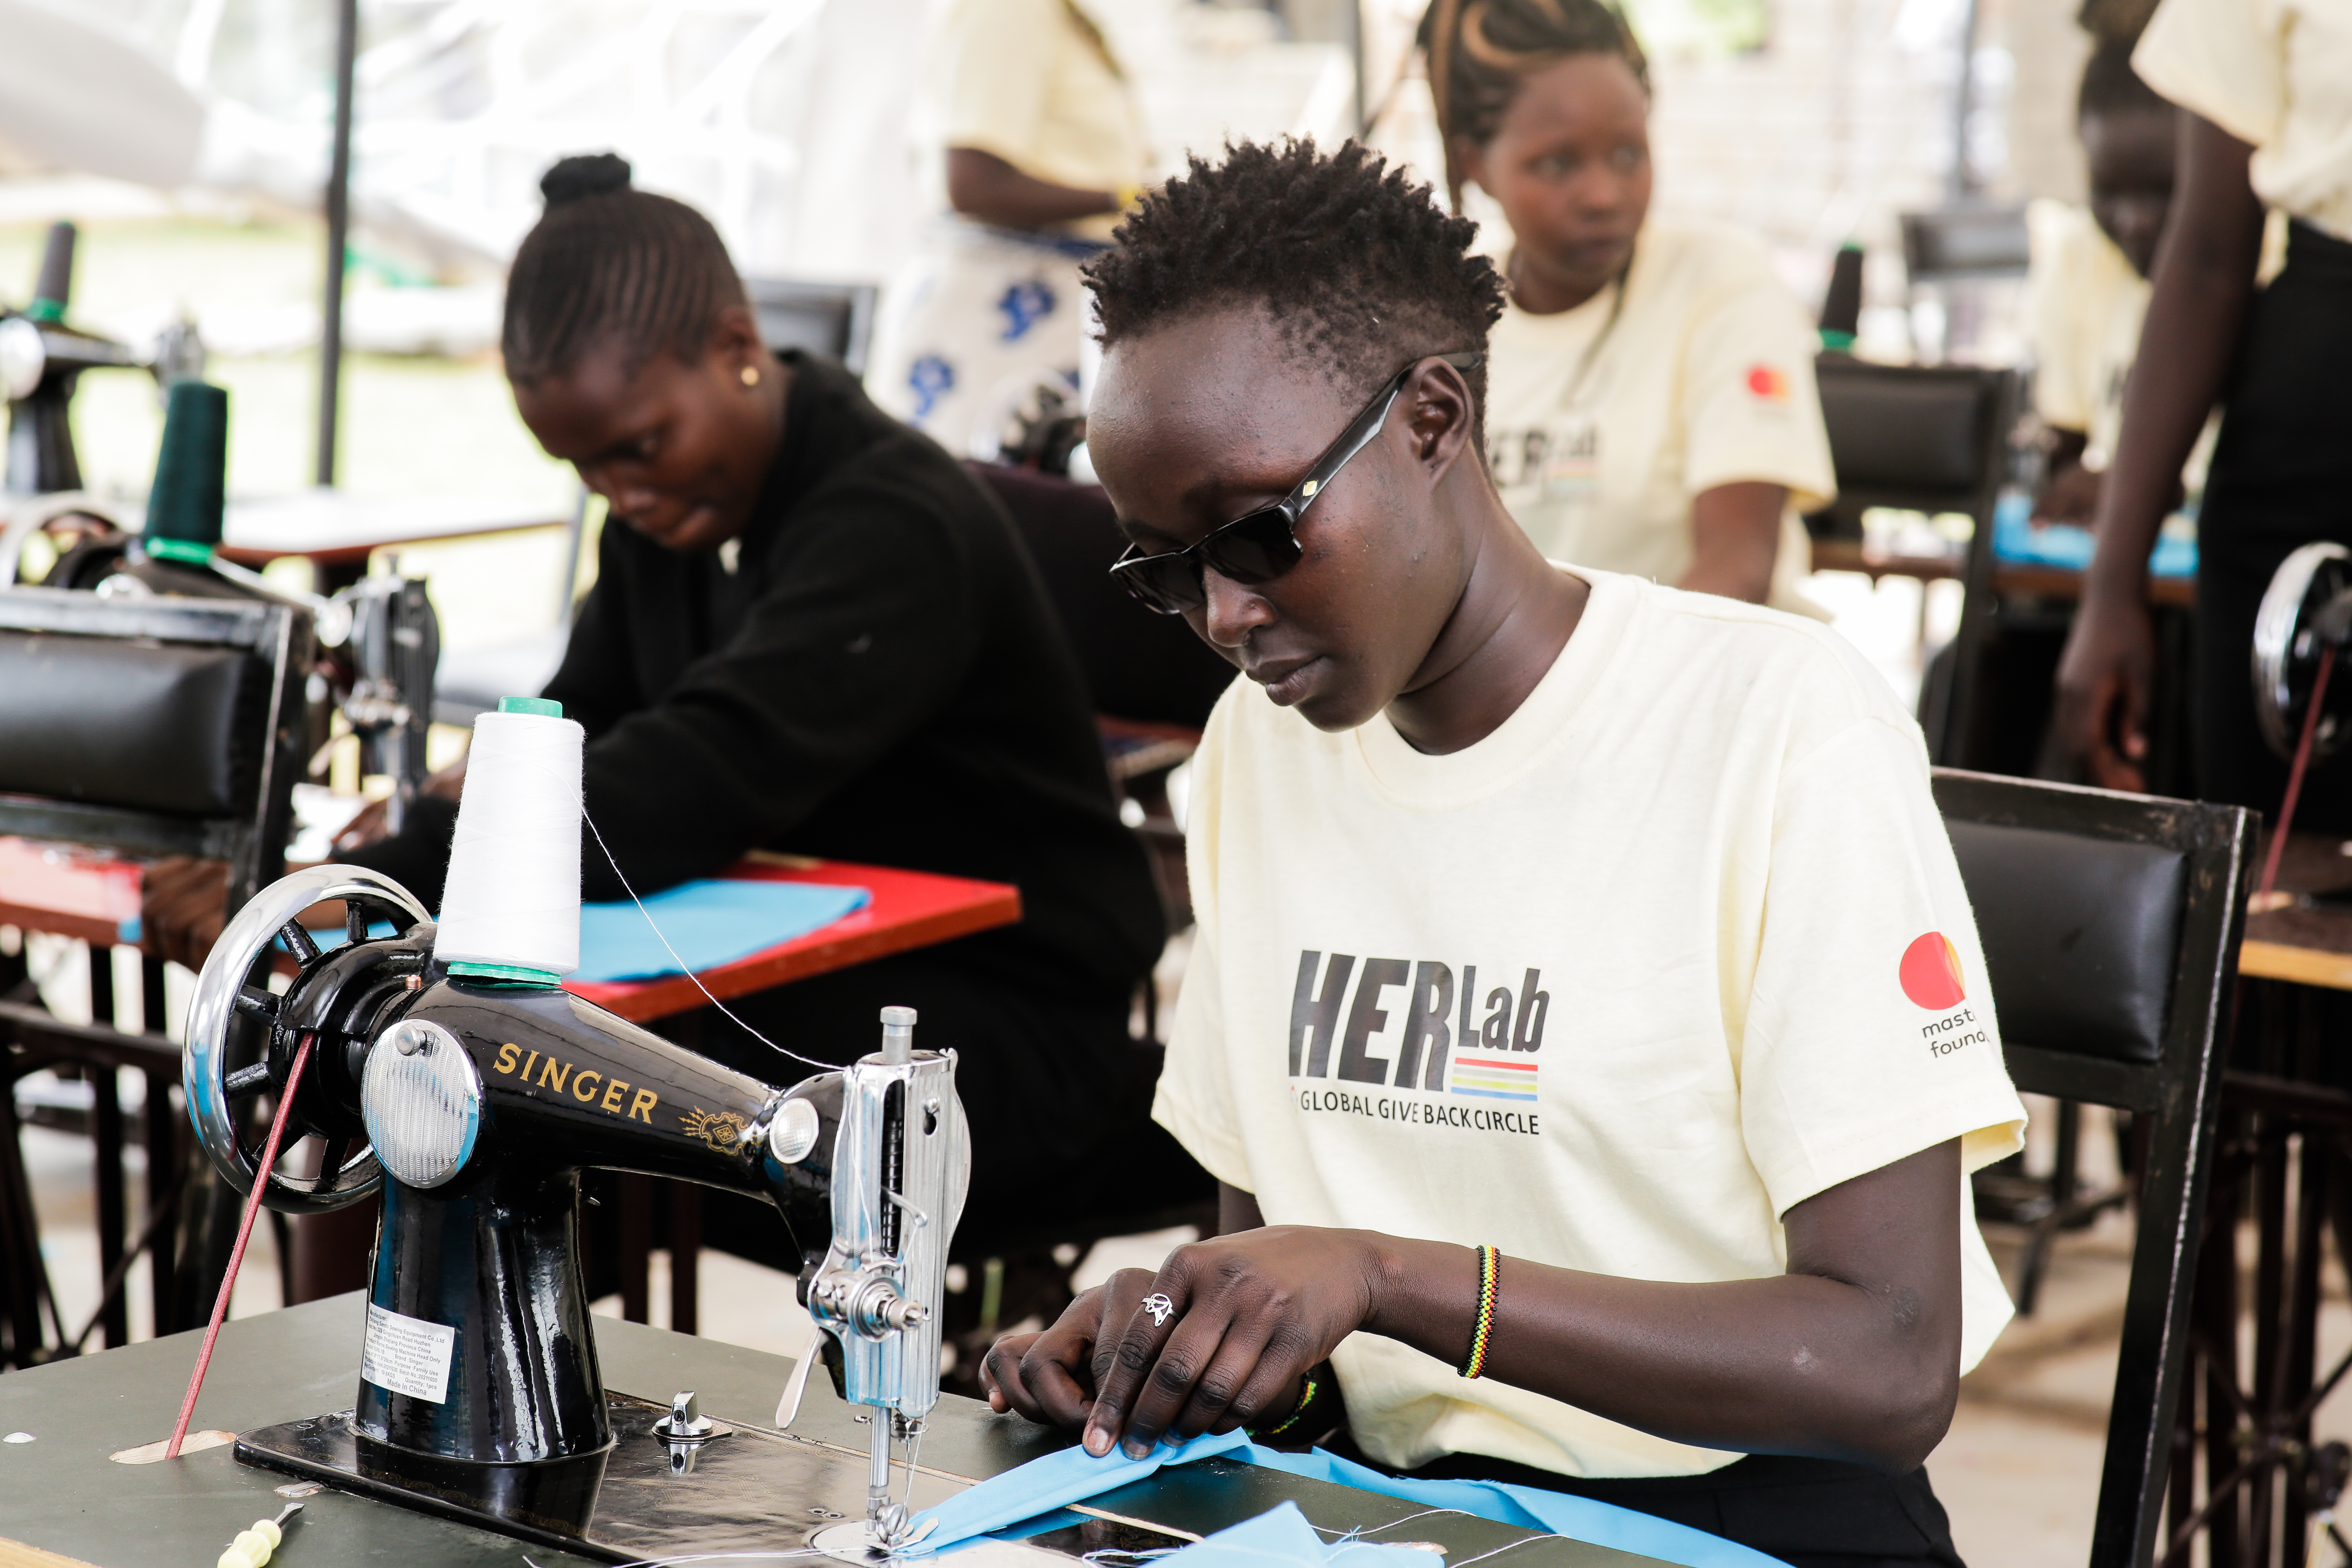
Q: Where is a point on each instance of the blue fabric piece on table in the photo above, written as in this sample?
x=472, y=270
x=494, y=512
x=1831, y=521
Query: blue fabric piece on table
x=1074, y=1475
x=711, y=922
x=1532, y=1508
x=2069, y=545
x=1042, y=1485
x=1281, y=1534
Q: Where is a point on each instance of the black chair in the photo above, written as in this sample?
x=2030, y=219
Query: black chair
x=831, y=318
x=1928, y=439
x=1965, y=242
x=148, y=727
x=2111, y=925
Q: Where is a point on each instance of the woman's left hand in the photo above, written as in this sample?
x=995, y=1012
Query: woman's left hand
x=1230, y=1327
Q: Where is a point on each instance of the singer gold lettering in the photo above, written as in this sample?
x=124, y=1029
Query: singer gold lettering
x=611, y=1095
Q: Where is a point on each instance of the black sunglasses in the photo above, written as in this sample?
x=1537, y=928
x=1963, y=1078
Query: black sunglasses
x=1261, y=545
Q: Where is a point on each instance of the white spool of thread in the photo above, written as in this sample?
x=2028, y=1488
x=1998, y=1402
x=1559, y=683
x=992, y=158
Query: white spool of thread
x=511, y=907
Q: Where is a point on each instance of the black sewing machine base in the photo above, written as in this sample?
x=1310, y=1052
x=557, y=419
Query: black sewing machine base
x=746, y=1490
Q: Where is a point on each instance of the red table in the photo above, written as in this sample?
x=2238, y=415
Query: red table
x=84, y=895
x=908, y=909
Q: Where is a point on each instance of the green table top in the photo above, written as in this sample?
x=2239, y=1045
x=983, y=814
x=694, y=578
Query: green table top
x=60, y=1494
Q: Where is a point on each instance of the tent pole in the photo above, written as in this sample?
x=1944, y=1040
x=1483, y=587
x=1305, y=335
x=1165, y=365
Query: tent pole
x=339, y=225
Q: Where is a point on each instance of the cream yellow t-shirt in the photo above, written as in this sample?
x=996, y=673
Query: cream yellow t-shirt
x=1679, y=945
x=1033, y=82
x=1601, y=435
x=2086, y=306
x=2277, y=74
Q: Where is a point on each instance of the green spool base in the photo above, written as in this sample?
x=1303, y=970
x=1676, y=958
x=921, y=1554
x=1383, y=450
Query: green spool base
x=506, y=974
x=191, y=552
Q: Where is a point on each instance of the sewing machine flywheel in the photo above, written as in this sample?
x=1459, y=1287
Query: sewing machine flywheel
x=242, y=1038
x=2289, y=629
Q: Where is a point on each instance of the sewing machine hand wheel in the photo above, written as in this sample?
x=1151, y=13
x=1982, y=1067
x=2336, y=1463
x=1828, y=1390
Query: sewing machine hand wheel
x=242, y=1038
x=2306, y=608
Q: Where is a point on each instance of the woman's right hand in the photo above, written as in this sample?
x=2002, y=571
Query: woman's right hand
x=1051, y=1377
x=2102, y=687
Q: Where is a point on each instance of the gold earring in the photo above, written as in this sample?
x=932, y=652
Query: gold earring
x=750, y=375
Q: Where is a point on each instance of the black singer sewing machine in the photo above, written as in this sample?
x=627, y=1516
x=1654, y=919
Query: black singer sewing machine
x=472, y=1102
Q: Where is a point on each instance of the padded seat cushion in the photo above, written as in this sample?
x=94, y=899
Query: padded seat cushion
x=143, y=726
x=2081, y=935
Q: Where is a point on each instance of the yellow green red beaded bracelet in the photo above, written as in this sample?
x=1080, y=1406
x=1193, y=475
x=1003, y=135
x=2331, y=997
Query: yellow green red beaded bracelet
x=1490, y=1268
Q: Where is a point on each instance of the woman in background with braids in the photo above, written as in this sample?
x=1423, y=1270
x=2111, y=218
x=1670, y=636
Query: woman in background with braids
x=1652, y=407
x=812, y=631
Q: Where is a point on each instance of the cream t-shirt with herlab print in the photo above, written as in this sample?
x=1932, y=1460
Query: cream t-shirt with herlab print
x=1605, y=422
x=1679, y=945
x=1035, y=82
x=2276, y=74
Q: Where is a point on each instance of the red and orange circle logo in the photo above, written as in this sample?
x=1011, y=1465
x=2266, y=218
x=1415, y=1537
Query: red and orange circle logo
x=1930, y=972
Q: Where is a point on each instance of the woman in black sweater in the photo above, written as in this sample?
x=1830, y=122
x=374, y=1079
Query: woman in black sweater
x=814, y=631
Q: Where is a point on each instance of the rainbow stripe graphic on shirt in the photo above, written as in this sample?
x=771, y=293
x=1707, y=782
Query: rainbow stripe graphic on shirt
x=1490, y=1079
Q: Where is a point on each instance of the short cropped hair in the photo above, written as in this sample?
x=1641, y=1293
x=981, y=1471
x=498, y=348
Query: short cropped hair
x=1358, y=266
x=608, y=263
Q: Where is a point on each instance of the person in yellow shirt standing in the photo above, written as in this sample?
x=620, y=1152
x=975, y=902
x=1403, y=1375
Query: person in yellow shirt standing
x=1043, y=147
x=2267, y=85
x=1652, y=407
x=2089, y=279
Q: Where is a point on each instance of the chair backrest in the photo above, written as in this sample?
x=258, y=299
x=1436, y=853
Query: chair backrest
x=1137, y=665
x=831, y=318
x=1970, y=239
x=2111, y=925
x=1929, y=438
x=153, y=726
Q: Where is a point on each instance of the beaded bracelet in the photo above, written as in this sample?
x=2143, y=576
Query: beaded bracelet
x=1298, y=1411
x=1490, y=1268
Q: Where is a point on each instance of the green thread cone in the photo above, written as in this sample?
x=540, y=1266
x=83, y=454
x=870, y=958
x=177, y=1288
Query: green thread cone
x=183, y=509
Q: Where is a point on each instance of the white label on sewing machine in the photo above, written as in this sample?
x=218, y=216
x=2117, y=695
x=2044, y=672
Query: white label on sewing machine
x=407, y=1355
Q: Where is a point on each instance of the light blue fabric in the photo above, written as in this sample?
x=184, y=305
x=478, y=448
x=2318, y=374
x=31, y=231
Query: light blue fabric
x=1054, y=1481
x=1281, y=1534
x=711, y=922
x=1074, y=1475
x=1533, y=1507
x=2014, y=538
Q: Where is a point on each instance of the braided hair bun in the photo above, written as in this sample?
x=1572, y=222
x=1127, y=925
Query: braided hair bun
x=629, y=268
x=584, y=175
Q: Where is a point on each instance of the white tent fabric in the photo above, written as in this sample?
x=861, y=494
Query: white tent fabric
x=77, y=94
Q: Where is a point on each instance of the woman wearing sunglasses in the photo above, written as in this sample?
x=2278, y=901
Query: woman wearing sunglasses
x=1651, y=400
x=1551, y=1149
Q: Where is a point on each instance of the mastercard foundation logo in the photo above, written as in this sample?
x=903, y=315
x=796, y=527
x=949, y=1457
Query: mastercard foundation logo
x=1930, y=972
x=1768, y=384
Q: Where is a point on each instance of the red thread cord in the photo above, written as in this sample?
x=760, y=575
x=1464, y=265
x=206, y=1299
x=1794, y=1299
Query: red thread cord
x=237, y=1253
x=2294, y=775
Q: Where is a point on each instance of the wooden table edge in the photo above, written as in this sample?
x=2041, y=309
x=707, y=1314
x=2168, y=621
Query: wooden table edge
x=58, y=922
x=16, y=1554
x=2304, y=965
